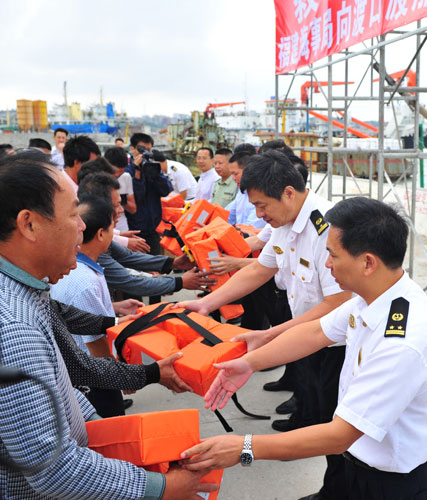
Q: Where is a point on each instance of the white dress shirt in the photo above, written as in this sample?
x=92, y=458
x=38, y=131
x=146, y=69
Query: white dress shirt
x=383, y=383
x=205, y=184
x=299, y=253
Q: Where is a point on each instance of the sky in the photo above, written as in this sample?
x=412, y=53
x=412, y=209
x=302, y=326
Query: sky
x=149, y=57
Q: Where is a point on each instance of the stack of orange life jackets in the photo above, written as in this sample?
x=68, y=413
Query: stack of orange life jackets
x=149, y=440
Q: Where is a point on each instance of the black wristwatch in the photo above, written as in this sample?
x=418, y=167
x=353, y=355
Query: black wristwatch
x=246, y=457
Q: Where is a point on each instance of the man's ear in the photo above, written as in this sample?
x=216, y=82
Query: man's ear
x=100, y=234
x=288, y=193
x=27, y=223
x=370, y=264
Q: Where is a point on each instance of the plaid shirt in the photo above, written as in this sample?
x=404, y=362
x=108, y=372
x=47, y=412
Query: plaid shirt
x=28, y=431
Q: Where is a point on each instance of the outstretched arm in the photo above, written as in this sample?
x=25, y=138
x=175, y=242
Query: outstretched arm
x=292, y=345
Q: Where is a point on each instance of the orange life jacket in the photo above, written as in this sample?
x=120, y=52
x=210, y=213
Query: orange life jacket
x=202, y=343
x=173, y=200
x=199, y=214
x=149, y=440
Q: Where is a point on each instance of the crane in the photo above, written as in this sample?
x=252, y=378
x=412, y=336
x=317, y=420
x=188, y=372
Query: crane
x=211, y=106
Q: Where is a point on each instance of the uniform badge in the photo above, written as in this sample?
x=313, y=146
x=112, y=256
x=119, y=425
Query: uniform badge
x=359, y=358
x=397, y=318
x=278, y=250
x=174, y=168
x=304, y=262
x=352, y=321
x=318, y=221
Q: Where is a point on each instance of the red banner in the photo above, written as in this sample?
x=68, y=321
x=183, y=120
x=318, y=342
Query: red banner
x=307, y=30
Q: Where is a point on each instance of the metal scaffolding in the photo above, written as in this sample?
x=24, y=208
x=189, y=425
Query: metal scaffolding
x=383, y=187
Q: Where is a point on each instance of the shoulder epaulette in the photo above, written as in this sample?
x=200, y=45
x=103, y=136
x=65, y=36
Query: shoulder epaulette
x=397, y=318
x=318, y=221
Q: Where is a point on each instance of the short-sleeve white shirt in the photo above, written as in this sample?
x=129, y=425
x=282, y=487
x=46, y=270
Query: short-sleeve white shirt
x=299, y=253
x=383, y=382
x=205, y=184
x=265, y=233
x=126, y=187
x=182, y=179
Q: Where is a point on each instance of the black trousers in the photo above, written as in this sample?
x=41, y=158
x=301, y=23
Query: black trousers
x=325, y=367
x=107, y=402
x=372, y=484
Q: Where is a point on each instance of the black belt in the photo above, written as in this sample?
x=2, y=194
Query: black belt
x=348, y=456
x=153, y=318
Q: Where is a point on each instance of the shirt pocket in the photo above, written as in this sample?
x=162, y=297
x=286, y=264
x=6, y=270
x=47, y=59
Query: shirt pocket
x=306, y=283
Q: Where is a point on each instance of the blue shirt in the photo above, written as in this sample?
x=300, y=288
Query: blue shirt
x=85, y=288
x=243, y=212
x=27, y=342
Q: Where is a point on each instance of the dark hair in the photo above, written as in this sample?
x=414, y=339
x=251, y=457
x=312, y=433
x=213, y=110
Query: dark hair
x=278, y=145
x=158, y=156
x=300, y=165
x=117, y=156
x=211, y=153
x=99, y=184
x=60, y=129
x=79, y=148
x=97, y=215
x=119, y=139
x=99, y=164
x=270, y=173
x=241, y=158
x=140, y=137
x=246, y=148
x=27, y=182
x=39, y=143
x=4, y=148
x=224, y=151
x=368, y=225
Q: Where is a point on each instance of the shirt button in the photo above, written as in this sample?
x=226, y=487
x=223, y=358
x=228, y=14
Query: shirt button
x=293, y=274
x=303, y=278
x=292, y=296
x=292, y=249
x=364, y=324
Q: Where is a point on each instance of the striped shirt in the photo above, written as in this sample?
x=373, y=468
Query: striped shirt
x=27, y=342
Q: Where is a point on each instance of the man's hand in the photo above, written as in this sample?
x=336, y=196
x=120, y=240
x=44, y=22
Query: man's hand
x=216, y=452
x=137, y=159
x=195, y=280
x=168, y=376
x=131, y=233
x=128, y=306
x=224, y=264
x=232, y=376
x=182, y=262
x=192, y=305
x=129, y=317
x=183, y=484
x=137, y=244
x=254, y=339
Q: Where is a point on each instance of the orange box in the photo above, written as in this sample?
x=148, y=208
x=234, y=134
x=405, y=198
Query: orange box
x=145, y=438
x=149, y=440
x=173, y=200
x=195, y=367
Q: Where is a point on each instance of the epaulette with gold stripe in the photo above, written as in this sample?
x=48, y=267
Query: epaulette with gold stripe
x=397, y=318
x=318, y=221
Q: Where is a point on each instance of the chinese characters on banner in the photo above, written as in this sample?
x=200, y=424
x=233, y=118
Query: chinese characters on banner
x=307, y=30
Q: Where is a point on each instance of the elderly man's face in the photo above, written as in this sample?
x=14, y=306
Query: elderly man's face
x=60, y=237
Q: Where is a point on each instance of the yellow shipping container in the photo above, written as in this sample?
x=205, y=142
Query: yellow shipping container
x=40, y=115
x=24, y=111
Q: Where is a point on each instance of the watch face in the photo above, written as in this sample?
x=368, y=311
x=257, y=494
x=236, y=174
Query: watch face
x=245, y=458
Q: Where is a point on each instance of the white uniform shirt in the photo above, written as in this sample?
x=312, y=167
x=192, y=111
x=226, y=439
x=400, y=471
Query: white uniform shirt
x=265, y=233
x=383, y=383
x=205, y=184
x=181, y=179
x=126, y=187
x=299, y=253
